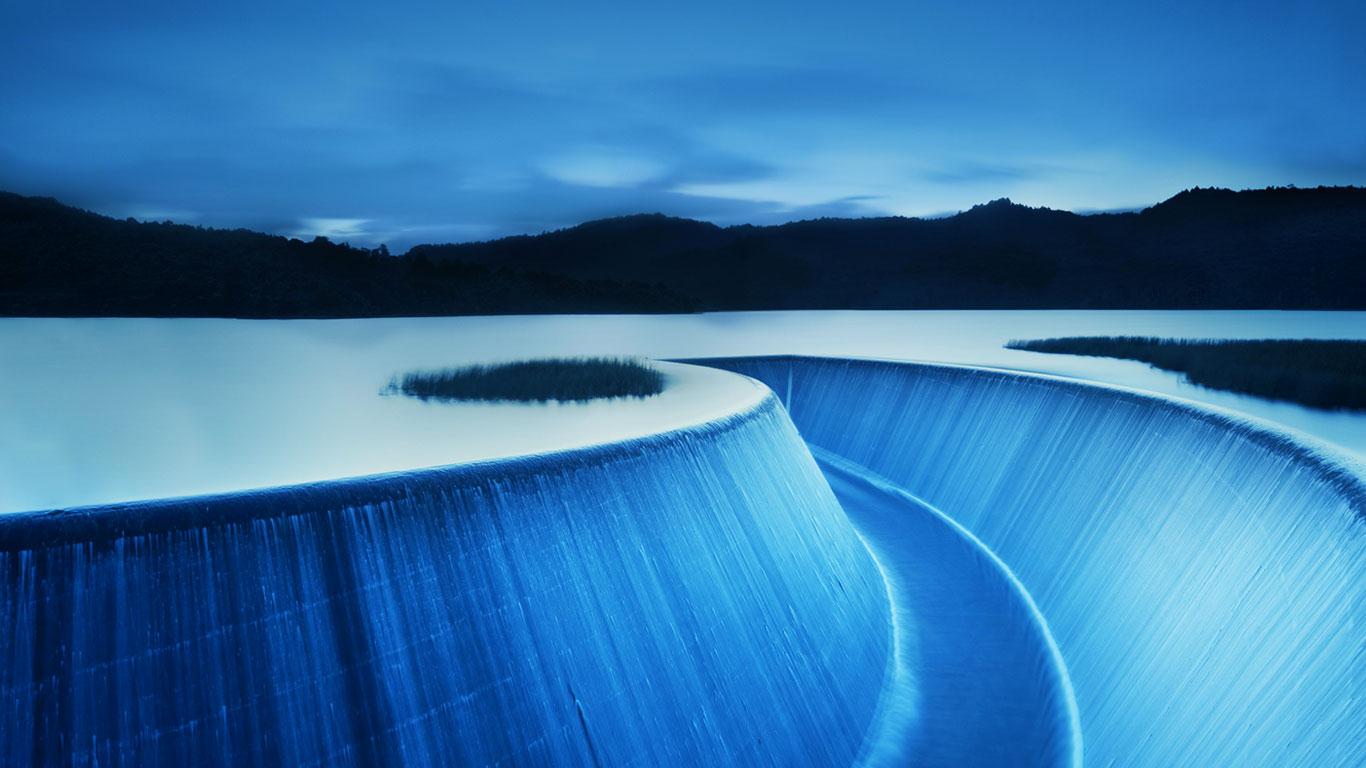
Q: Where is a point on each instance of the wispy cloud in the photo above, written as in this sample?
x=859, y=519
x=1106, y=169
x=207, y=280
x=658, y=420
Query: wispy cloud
x=787, y=91
x=333, y=229
x=969, y=172
x=603, y=167
x=457, y=123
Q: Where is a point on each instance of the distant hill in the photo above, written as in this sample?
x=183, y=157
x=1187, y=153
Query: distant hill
x=60, y=261
x=1279, y=248
x=1202, y=249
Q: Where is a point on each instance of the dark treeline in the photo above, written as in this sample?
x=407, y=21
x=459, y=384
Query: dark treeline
x=60, y=261
x=1202, y=249
x=562, y=379
x=1320, y=373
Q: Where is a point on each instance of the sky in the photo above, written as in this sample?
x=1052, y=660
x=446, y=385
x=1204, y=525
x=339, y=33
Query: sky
x=406, y=123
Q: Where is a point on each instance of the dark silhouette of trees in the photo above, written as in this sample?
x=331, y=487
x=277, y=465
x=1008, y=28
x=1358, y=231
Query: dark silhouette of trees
x=56, y=260
x=1280, y=248
x=1321, y=373
x=561, y=379
x=1204, y=248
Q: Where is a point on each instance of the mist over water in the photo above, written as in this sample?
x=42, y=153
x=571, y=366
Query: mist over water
x=994, y=568
x=107, y=410
x=834, y=538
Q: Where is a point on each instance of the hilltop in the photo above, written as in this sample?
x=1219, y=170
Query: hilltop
x=61, y=261
x=1201, y=249
x=1277, y=248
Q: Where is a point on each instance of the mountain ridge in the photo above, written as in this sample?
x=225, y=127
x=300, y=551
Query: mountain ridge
x=56, y=260
x=1201, y=248
x=1204, y=248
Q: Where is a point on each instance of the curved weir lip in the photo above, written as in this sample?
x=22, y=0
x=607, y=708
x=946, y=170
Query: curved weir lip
x=104, y=522
x=1334, y=459
x=695, y=596
x=931, y=714
x=1201, y=569
x=1332, y=463
x=277, y=433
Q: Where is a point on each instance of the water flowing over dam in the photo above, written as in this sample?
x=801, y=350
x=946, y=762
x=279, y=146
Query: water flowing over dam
x=876, y=563
x=977, y=678
x=691, y=598
x=1204, y=576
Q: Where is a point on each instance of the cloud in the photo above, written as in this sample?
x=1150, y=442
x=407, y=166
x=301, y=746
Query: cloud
x=849, y=207
x=370, y=128
x=970, y=172
x=786, y=90
x=333, y=229
x=604, y=167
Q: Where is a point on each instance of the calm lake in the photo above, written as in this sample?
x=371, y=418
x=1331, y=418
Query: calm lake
x=105, y=410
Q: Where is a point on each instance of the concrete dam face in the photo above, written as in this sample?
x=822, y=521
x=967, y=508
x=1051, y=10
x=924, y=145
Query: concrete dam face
x=691, y=598
x=1204, y=577
x=879, y=564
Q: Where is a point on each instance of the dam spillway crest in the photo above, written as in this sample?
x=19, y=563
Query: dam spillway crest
x=883, y=564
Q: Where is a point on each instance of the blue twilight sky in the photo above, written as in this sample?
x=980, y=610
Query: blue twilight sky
x=406, y=123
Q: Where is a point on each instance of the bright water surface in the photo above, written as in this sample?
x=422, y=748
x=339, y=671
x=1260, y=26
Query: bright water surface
x=106, y=410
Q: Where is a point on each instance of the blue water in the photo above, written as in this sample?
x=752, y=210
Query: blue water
x=977, y=678
x=1205, y=579
x=984, y=568
x=697, y=598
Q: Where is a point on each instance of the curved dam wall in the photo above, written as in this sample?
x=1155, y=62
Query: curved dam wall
x=691, y=598
x=978, y=679
x=1204, y=577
